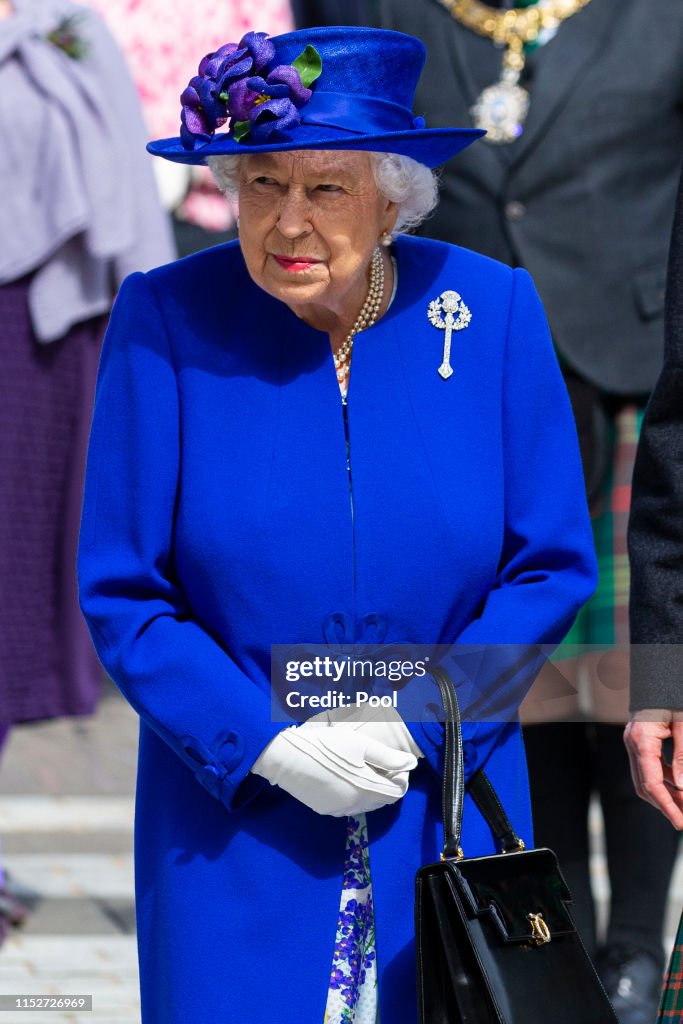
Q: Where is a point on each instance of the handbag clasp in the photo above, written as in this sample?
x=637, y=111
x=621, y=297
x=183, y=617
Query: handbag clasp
x=457, y=856
x=540, y=933
x=517, y=848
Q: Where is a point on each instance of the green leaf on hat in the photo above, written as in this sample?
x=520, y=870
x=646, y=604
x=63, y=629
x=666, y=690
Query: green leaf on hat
x=240, y=129
x=309, y=64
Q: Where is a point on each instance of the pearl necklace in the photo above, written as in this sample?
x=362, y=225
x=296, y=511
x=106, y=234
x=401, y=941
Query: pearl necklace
x=366, y=318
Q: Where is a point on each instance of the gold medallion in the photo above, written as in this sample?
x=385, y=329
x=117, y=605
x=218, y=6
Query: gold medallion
x=502, y=108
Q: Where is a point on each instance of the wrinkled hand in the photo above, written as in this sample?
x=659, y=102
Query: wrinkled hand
x=333, y=769
x=654, y=779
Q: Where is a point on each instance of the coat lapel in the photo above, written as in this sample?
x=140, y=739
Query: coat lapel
x=576, y=46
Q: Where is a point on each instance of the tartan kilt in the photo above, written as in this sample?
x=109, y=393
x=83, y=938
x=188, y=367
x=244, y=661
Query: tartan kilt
x=603, y=620
x=671, y=1004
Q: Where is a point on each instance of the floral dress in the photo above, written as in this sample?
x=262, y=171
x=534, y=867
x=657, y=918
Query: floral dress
x=352, y=995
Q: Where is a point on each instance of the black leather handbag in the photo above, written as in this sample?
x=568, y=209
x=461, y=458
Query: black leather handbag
x=495, y=942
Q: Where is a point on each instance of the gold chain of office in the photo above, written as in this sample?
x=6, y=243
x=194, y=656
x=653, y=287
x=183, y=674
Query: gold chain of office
x=502, y=108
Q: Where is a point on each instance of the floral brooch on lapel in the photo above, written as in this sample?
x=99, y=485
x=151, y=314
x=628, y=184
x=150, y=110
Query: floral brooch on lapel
x=239, y=83
x=66, y=38
x=457, y=317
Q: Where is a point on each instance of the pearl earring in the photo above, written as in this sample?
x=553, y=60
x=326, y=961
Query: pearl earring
x=386, y=238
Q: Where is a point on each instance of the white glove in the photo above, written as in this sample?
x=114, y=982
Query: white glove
x=383, y=724
x=335, y=769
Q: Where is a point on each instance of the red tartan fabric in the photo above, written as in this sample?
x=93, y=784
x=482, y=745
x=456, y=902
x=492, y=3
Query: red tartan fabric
x=671, y=1005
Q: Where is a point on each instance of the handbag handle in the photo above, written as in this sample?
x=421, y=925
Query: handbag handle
x=479, y=787
x=453, y=785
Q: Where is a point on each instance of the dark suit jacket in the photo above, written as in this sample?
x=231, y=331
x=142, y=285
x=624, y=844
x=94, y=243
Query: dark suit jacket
x=656, y=523
x=584, y=200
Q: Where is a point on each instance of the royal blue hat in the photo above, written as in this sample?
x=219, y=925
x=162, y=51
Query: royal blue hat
x=319, y=88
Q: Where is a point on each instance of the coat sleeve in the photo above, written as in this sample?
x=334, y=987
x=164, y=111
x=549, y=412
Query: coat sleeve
x=547, y=568
x=655, y=534
x=177, y=676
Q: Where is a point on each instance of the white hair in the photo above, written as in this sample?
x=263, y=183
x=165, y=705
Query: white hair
x=402, y=180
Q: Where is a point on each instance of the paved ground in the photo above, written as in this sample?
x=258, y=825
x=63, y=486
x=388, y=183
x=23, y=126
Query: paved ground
x=66, y=811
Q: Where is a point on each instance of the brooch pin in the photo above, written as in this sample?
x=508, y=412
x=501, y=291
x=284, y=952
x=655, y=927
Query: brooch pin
x=457, y=318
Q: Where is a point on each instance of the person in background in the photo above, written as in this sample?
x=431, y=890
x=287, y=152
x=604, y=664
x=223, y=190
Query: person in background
x=79, y=212
x=161, y=43
x=655, y=538
x=576, y=181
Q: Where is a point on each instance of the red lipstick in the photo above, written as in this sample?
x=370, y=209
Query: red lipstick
x=295, y=264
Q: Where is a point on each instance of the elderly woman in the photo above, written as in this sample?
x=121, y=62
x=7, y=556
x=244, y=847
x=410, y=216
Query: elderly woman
x=240, y=493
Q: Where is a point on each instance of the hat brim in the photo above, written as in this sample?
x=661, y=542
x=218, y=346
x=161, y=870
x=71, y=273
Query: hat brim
x=430, y=146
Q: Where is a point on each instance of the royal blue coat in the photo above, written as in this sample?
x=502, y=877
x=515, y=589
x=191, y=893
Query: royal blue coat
x=217, y=521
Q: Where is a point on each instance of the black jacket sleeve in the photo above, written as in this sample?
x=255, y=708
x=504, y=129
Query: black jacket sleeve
x=656, y=521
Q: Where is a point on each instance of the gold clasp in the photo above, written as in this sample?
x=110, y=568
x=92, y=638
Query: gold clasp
x=540, y=933
x=518, y=848
x=458, y=856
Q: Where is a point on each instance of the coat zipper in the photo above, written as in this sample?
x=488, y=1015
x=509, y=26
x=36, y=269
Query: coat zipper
x=345, y=413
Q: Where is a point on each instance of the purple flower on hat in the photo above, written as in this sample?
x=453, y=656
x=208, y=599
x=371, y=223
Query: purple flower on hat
x=195, y=123
x=261, y=49
x=268, y=104
x=204, y=100
x=236, y=82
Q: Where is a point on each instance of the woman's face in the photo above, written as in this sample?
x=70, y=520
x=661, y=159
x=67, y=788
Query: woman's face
x=309, y=221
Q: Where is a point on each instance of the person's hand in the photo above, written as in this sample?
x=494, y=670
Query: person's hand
x=335, y=770
x=656, y=781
